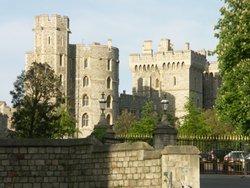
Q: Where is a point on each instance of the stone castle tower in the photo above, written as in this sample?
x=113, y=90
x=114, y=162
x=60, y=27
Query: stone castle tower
x=85, y=71
x=176, y=73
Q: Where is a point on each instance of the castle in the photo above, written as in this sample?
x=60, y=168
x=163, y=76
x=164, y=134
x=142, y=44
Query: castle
x=5, y=119
x=85, y=71
x=88, y=71
x=178, y=74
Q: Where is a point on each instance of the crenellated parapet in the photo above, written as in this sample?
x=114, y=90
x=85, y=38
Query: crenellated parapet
x=177, y=73
x=85, y=71
x=166, y=57
x=54, y=22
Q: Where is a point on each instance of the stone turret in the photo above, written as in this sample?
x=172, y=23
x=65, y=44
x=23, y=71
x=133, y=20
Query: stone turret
x=85, y=71
x=51, y=45
x=97, y=71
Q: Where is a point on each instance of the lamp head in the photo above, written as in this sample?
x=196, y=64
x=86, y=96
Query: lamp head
x=102, y=102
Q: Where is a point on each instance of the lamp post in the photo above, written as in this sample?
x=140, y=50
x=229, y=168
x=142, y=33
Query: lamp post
x=164, y=134
x=103, y=122
x=103, y=131
x=164, y=104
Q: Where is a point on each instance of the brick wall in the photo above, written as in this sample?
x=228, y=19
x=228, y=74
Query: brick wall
x=89, y=164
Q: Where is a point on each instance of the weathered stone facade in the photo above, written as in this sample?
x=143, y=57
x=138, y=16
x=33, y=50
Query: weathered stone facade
x=211, y=82
x=176, y=73
x=85, y=71
x=5, y=119
x=85, y=163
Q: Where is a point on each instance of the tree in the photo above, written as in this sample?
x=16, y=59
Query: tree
x=233, y=51
x=37, y=97
x=65, y=125
x=217, y=127
x=147, y=124
x=193, y=122
x=234, y=105
x=124, y=123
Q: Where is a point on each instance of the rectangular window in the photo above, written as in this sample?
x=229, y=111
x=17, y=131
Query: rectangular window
x=61, y=59
x=85, y=63
x=109, y=64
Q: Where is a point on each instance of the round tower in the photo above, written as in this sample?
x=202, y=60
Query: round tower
x=97, y=72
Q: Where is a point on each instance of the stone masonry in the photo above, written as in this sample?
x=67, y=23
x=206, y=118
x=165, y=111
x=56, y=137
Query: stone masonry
x=90, y=164
x=177, y=73
x=85, y=71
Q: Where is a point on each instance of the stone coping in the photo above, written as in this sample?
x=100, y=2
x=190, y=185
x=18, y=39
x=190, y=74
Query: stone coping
x=10, y=142
x=180, y=150
x=123, y=147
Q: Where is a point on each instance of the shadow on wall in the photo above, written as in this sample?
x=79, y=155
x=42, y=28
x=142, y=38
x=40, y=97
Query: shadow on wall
x=90, y=164
x=156, y=96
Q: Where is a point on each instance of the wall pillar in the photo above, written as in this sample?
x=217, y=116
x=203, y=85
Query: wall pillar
x=180, y=167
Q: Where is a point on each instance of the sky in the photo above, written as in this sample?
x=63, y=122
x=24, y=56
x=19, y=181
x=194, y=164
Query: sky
x=127, y=22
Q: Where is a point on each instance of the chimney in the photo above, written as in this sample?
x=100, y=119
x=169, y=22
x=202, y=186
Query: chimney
x=164, y=45
x=147, y=47
x=187, y=46
x=109, y=43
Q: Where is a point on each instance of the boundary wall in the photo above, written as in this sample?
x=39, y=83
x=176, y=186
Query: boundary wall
x=90, y=164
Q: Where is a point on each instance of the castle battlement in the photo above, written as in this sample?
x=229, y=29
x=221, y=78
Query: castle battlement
x=166, y=54
x=95, y=50
x=51, y=21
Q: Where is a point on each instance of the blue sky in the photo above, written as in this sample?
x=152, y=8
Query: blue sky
x=127, y=22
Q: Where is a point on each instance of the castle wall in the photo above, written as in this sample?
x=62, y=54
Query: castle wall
x=211, y=83
x=178, y=74
x=51, y=38
x=85, y=71
x=85, y=163
x=5, y=119
x=96, y=71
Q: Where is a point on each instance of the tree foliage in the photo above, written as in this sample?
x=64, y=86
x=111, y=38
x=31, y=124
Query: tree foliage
x=234, y=57
x=37, y=97
x=233, y=103
x=216, y=126
x=148, y=122
x=124, y=123
x=193, y=122
x=65, y=125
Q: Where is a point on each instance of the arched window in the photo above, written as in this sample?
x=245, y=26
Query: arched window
x=109, y=101
x=108, y=119
x=164, y=66
x=85, y=100
x=85, y=81
x=157, y=83
x=85, y=120
x=108, y=83
x=173, y=65
x=168, y=65
x=178, y=64
x=182, y=64
x=136, y=68
x=174, y=80
x=144, y=67
x=148, y=68
x=140, y=68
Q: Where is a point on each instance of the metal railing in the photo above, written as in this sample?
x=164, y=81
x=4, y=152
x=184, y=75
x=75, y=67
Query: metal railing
x=207, y=144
